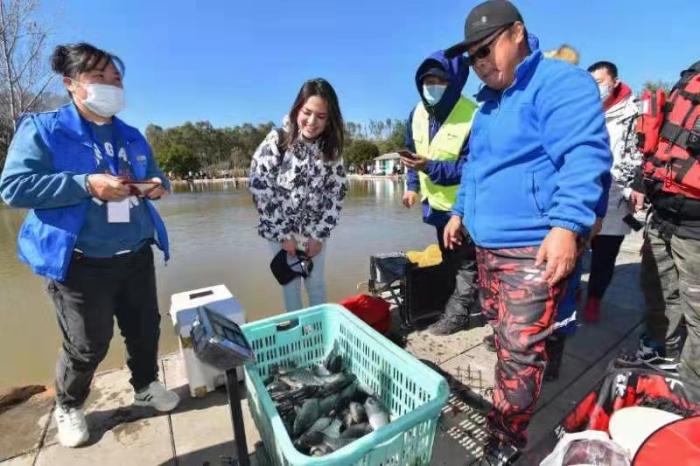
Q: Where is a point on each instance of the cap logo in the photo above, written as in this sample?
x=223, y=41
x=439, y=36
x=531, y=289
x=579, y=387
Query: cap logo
x=484, y=19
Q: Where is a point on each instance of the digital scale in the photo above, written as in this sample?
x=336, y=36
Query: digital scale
x=219, y=342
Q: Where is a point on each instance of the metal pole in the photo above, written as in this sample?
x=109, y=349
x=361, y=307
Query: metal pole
x=234, y=401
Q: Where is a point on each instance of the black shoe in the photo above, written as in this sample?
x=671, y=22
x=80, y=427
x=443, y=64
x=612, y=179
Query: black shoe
x=490, y=342
x=648, y=355
x=447, y=325
x=498, y=453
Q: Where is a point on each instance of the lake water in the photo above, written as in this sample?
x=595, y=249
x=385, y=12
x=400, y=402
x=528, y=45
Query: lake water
x=214, y=240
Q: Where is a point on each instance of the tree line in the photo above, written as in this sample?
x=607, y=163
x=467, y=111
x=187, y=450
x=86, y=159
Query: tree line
x=201, y=148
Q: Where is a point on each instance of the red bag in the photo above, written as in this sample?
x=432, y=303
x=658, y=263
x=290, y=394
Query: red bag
x=627, y=386
x=372, y=310
x=677, y=443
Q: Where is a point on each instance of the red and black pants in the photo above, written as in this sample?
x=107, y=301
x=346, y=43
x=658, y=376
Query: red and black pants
x=521, y=307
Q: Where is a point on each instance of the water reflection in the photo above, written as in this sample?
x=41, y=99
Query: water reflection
x=214, y=240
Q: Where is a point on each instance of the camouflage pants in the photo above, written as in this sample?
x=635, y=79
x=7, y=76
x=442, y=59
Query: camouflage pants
x=521, y=308
x=670, y=280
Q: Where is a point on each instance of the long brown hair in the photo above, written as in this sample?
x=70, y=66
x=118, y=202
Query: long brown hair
x=332, y=138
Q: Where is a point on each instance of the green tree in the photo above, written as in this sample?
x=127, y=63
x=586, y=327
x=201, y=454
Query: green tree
x=396, y=139
x=178, y=159
x=360, y=152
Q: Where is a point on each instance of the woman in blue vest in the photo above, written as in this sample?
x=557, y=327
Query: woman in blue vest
x=89, y=230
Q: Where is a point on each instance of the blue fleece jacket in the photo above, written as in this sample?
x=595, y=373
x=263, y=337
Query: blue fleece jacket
x=539, y=155
x=440, y=172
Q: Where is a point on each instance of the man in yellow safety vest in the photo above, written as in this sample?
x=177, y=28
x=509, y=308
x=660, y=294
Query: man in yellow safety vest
x=437, y=134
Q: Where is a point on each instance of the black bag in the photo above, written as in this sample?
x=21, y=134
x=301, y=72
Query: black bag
x=420, y=293
x=427, y=291
x=286, y=271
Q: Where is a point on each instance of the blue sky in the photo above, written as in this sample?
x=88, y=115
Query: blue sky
x=236, y=61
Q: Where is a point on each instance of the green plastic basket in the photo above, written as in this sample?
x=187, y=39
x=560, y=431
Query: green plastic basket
x=414, y=393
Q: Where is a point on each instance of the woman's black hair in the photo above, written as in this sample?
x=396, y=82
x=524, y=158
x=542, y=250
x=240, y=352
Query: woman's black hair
x=72, y=59
x=332, y=138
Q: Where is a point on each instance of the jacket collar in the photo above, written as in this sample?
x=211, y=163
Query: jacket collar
x=75, y=126
x=620, y=93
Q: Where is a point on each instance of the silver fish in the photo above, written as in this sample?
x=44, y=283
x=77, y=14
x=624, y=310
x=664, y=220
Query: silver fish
x=356, y=431
x=358, y=413
x=309, y=439
x=321, y=370
x=321, y=450
x=313, y=436
x=345, y=396
x=320, y=424
x=347, y=419
x=334, y=362
x=337, y=443
x=328, y=403
x=299, y=378
x=329, y=445
x=376, y=413
x=277, y=386
x=333, y=430
x=336, y=382
x=306, y=416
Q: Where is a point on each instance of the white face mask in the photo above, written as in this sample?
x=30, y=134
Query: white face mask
x=433, y=92
x=604, y=90
x=104, y=100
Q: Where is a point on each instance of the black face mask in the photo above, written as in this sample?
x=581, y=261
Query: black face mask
x=286, y=271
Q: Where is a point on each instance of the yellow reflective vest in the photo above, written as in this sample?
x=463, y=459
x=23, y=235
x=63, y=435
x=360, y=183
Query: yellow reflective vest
x=445, y=146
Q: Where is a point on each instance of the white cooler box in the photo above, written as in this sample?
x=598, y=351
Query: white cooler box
x=201, y=377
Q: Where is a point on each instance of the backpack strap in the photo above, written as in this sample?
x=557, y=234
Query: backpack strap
x=676, y=134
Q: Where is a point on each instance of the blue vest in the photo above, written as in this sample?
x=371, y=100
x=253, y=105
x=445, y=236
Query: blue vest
x=48, y=236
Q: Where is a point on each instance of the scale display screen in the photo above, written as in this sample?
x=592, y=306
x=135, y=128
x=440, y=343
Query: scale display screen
x=219, y=341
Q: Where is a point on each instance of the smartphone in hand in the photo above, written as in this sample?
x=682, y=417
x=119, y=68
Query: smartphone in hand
x=407, y=154
x=140, y=187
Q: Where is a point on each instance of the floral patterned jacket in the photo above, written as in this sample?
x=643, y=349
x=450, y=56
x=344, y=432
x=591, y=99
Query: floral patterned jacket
x=297, y=193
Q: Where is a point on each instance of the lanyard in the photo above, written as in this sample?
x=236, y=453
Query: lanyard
x=113, y=160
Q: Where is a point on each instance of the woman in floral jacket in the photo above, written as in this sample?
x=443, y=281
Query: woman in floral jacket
x=298, y=184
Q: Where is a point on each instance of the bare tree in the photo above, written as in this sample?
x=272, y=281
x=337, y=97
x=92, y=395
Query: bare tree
x=24, y=72
x=23, y=67
x=658, y=84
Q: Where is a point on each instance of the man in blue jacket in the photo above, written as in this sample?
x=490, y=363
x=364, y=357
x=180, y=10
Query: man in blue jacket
x=538, y=154
x=437, y=133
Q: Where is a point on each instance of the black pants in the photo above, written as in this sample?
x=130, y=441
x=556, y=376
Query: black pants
x=94, y=292
x=464, y=300
x=605, y=250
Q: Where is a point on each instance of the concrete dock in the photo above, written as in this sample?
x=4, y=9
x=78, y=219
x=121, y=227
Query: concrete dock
x=199, y=431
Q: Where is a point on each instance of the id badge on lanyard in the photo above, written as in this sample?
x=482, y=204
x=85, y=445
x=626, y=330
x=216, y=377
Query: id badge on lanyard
x=117, y=211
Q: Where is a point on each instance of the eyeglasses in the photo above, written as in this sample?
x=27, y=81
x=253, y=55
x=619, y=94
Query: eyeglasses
x=485, y=50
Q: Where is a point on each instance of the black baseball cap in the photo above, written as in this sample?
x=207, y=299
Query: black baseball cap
x=484, y=20
x=435, y=71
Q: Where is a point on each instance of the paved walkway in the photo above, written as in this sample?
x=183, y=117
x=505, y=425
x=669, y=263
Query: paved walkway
x=199, y=432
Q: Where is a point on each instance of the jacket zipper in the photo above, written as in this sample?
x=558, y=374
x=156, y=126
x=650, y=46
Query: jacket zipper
x=498, y=111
